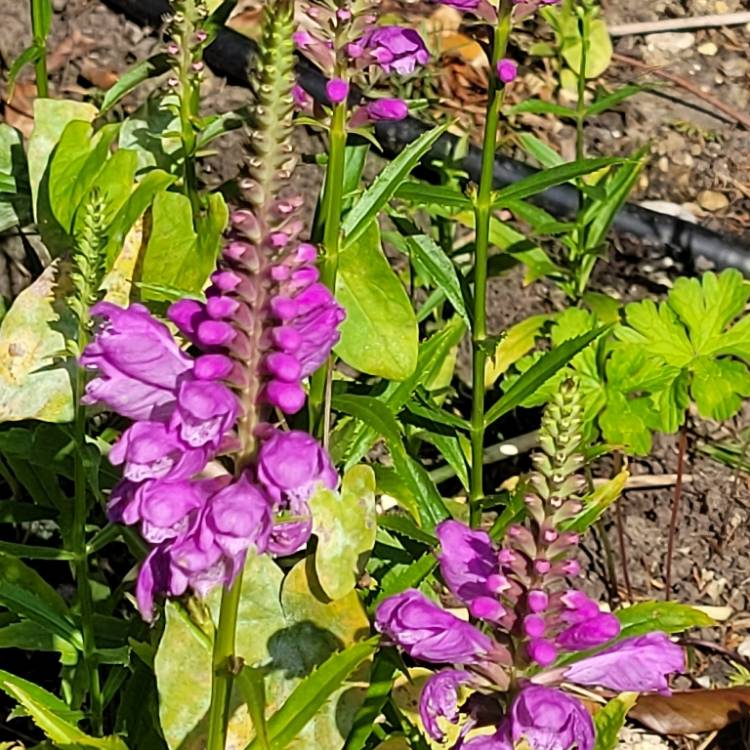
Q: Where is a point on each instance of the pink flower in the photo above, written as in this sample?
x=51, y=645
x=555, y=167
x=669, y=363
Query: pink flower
x=507, y=70
x=396, y=49
x=337, y=90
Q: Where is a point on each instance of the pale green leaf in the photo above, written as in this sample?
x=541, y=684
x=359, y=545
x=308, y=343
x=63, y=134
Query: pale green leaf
x=670, y=617
x=610, y=720
x=379, y=335
x=345, y=523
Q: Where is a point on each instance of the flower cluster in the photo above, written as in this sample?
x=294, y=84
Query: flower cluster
x=527, y=615
x=349, y=47
x=266, y=325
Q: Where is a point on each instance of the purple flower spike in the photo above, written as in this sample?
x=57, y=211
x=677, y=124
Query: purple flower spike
x=461, y=4
x=640, y=664
x=426, y=631
x=337, y=90
x=137, y=360
x=467, y=560
x=549, y=719
x=205, y=411
x=439, y=698
x=396, y=49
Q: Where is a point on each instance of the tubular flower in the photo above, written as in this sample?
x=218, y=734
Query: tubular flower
x=522, y=603
x=395, y=49
x=266, y=325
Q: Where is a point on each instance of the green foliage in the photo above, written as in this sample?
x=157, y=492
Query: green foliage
x=345, y=525
x=609, y=720
x=303, y=643
x=15, y=198
x=379, y=335
x=670, y=617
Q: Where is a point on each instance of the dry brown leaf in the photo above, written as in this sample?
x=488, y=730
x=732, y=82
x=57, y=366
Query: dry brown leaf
x=692, y=711
x=101, y=78
x=19, y=111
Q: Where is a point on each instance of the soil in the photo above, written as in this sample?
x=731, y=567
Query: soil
x=695, y=149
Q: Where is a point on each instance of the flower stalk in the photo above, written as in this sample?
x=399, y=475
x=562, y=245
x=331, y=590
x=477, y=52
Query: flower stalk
x=483, y=213
x=41, y=14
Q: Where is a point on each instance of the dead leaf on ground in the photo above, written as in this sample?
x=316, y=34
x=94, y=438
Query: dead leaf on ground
x=19, y=111
x=692, y=711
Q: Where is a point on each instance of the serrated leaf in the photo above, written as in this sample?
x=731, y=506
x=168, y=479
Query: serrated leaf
x=379, y=335
x=345, y=524
x=367, y=208
x=314, y=690
x=541, y=371
x=670, y=617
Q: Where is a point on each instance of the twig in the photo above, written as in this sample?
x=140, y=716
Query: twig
x=740, y=117
x=680, y=24
x=648, y=481
x=682, y=447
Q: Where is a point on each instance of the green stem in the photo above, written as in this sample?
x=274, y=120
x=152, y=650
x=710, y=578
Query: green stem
x=78, y=542
x=40, y=12
x=332, y=202
x=580, y=264
x=223, y=667
x=483, y=213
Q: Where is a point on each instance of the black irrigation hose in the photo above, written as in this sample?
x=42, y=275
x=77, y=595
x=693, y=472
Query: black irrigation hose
x=231, y=53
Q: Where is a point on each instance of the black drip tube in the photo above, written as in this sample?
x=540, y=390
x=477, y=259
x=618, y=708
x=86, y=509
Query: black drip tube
x=231, y=53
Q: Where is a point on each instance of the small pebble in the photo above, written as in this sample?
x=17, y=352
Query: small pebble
x=663, y=164
x=708, y=48
x=59, y=5
x=710, y=200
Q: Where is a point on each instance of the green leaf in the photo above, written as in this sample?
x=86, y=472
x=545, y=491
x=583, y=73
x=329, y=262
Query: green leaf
x=541, y=371
x=34, y=384
x=540, y=150
x=407, y=578
x=597, y=502
x=77, y=160
x=432, y=260
x=46, y=713
x=151, y=68
x=405, y=527
x=610, y=720
x=547, y=178
x=176, y=256
x=286, y=631
x=51, y=117
x=28, y=57
x=9, y=683
x=540, y=107
x=345, y=524
x=670, y=617
x=381, y=681
x=313, y=692
x=367, y=208
x=599, y=53
x=376, y=414
x=355, y=442
x=518, y=341
x=603, y=103
x=422, y=194
x=15, y=191
x=379, y=335
x=31, y=636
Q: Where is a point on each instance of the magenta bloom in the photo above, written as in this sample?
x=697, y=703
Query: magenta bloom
x=291, y=466
x=396, y=49
x=641, y=664
x=138, y=363
x=337, y=90
x=468, y=561
x=548, y=719
x=205, y=412
x=507, y=70
x=380, y=110
x=461, y=4
x=440, y=698
x=426, y=631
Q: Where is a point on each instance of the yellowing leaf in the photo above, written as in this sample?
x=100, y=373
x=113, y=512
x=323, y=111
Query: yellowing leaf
x=34, y=384
x=517, y=342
